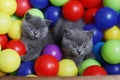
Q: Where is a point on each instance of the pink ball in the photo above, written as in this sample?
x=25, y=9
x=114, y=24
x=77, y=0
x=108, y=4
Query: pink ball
x=53, y=50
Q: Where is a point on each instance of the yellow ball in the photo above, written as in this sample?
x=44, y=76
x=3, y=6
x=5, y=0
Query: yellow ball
x=31, y=75
x=5, y=23
x=2, y=73
x=9, y=60
x=8, y=6
x=0, y=47
x=15, y=30
x=67, y=68
x=112, y=33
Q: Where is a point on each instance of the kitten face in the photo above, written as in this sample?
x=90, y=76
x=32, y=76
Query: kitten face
x=76, y=42
x=34, y=27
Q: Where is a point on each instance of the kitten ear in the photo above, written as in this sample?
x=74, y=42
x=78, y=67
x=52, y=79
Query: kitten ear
x=68, y=33
x=27, y=16
x=48, y=22
x=90, y=33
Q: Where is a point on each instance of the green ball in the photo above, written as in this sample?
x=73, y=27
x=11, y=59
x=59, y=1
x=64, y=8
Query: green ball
x=111, y=51
x=114, y=4
x=36, y=12
x=58, y=2
x=14, y=17
x=86, y=63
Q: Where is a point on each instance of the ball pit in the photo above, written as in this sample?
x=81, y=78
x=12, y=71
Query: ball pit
x=107, y=21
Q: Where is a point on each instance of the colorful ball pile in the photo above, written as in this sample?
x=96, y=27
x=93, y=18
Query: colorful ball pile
x=101, y=16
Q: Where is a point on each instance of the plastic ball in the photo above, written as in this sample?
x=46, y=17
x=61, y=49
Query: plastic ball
x=111, y=51
x=112, y=33
x=114, y=4
x=105, y=18
x=36, y=12
x=25, y=69
x=3, y=73
x=9, y=60
x=91, y=3
x=16, y=45
x=53, y=50
x=14, y=17
x=58, y=3
x=39, y=4
x=97, y=35
x=94, y=70
x=53, y=13
x=118, y=21
x=31, y=75
x=0, y=47
x=97, y=52
x=89, y=15
x=86, y=63
x=3, y=40
x=22, y=7
x=73, y=10
x=67, y=68
x=8, y=6
x=15, y=30
x=46, y=65
x=112, y=69
x=5, y=23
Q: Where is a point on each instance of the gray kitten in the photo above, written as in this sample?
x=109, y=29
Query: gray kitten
x=62, y=24
x=75, y=43
x=35, y=35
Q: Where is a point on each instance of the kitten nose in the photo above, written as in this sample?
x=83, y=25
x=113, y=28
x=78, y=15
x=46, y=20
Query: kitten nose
x=35, y=33
x=79, y=52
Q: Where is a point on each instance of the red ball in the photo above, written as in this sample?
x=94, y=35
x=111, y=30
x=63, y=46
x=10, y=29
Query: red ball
x=17, y=45
x=22, y=7
x=46, y=65
x=94, y=70
x=73, y=10
x=3, y=40
x=91, y=3
x=89, y=15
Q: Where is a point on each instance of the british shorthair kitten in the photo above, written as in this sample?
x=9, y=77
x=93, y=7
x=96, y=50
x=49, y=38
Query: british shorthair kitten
x=35, y=36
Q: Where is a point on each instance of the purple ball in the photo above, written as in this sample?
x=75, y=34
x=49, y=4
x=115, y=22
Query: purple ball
x=53, y=50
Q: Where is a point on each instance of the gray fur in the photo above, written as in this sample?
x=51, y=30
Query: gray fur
x=75, y=43
x=62, y=24
x=35, y=35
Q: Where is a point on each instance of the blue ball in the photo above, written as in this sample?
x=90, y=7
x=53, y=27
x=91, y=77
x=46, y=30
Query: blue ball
x=118, y=21
x=112, y=69
x=97, y=35
x=105, y=18
x=39, y=4
x=53, y=13
x=25, y=69
x=97, y=52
